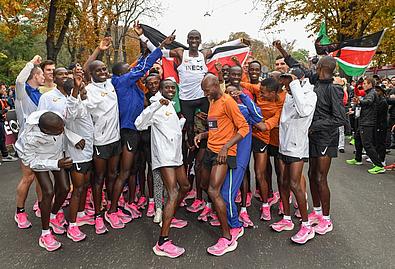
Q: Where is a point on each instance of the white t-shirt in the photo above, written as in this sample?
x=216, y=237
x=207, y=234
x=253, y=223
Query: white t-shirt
x=191, y=72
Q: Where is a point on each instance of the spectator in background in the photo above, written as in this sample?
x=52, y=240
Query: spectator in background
x=11, y=97
x=4, y=107
x=381, y=122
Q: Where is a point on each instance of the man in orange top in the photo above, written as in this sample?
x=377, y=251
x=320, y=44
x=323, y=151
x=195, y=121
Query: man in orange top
x=227, y=127
x=270, y=100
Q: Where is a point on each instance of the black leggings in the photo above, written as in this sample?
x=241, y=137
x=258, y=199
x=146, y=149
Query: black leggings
x=188, y=109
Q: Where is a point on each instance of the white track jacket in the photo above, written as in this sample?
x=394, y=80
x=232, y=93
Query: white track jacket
x=40, y=151
x=166, y=132
x=296, y=117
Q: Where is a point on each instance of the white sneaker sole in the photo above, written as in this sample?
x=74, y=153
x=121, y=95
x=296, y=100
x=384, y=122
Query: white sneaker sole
x=330, y=229
x=283, y=229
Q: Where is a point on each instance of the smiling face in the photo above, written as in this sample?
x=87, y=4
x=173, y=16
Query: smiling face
x=254, y=71
x=99, y=71
x=60, y=76
x=49, y=72
x=235, y=74
x=152, y=83
x=194, y=39
x=225, y=72
x=281, y=66
x=210, y=87
x=168, y=89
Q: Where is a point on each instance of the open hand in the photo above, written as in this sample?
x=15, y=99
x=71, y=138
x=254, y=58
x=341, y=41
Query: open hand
x=137, y=28
x=105, y=44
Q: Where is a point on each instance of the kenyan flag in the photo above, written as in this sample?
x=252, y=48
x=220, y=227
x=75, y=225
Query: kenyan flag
x=353, y=56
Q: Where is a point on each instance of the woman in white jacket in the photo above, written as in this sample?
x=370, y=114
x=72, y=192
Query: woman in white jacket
x=296, y=117
x=166, y=150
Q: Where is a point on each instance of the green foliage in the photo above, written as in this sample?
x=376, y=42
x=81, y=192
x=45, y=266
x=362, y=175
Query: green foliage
x=15, y=52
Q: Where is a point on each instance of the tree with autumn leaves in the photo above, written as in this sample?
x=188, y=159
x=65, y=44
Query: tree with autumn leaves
x=345, y=19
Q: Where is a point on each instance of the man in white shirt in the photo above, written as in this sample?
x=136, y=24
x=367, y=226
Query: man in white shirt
x=26, y=102
x=166, y=150
x=40, y=147
x=102, y=105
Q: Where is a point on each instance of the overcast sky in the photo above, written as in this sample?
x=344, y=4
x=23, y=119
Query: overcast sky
x=226, y=16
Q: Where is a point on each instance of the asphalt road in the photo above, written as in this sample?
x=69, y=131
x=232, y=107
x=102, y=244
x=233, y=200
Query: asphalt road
x=363, y=206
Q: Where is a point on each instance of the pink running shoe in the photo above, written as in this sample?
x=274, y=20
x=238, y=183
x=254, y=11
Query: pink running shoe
x=305, y=234
x=61, y=218
x=314, y=218
x=248, y=199
x=38, y=213
x=323, y=227
x=236, y=233
x=390, y=167
x=281, y=208
x=245, y=219
x=100, y=227
x=133, y=210
x=35, y=206
x=196, y=206
x=282, y=225
x=56, y=226
x=205, y=214
x=265, y=213
x=124, y=217
x=114, y=220
x=176, y=223
x=274, y=200
x=90, y=211
x=151, y=209
x=49, y=242
x=191, y=195
x=238, y=197
x=75, y=234
x=214, y=220
x=168, y=249
x=85, y=220
x=22, y=221
x=121, y=201
x=142, y=202
x=222, y=246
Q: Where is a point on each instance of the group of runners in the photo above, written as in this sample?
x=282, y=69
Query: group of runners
x=110, y=134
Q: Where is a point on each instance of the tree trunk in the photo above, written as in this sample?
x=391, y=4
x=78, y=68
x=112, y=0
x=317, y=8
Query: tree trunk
x=124, y=49
x=54, y=46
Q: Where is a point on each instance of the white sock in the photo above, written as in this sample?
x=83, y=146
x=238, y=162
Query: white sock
x=318, y=210
x=80, y=214
x=45, y=232
x=305, y=223
x=327, y=217
x=73, y=224
x=52, y=216
x=243, y=209
x=265, y=204
x=208, y=204
x=151, y=200
x=286, y=217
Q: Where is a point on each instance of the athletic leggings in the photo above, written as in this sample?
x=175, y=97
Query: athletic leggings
x=158, y=188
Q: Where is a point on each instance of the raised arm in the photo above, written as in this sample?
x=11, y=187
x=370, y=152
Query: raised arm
x=104, y=45
x=20, y=91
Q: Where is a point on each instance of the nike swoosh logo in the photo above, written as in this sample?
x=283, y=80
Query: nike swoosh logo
x=323, y=152
x=129, y=147
x=263, y=149
x=78, y=168
x=97, y=151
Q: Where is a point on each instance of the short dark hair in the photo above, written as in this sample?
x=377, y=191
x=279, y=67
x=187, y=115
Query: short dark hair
x=279, y=57
x=2, y=83
x=255, y=62
x=117, y=68
x=45, y=63
x=162, y=82
x=271, y=84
